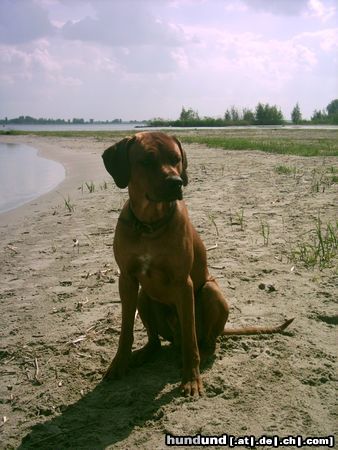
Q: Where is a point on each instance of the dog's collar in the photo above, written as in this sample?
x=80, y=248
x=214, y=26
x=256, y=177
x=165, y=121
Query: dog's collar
x=148, y=228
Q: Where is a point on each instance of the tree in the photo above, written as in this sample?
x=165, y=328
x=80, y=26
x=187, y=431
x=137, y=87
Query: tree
x=332, y=108
x=260, y=114
x=332, y=111
x=296, y=115
x=234, y=114
x=268, y=115
x=327, y=115
x=248, y=116
x=318, y=116
x=188, y=114
x=227, y=116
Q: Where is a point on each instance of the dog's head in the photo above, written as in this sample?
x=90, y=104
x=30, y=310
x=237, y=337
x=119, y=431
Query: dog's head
x=152, y=163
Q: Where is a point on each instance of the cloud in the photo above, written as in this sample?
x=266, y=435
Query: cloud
x=140, y=42
x=123, y=23
x=141, y=58
x=326, y=40
x=37, y=65
x=236, y=6
x=321, y=11
x=148, y=59
x=283, y=7
x=271, y=62
x=23, y=21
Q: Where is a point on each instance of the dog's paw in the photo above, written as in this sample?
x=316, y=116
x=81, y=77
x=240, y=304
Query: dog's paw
x=192, y=388
x=145, y=354
x=117, y=369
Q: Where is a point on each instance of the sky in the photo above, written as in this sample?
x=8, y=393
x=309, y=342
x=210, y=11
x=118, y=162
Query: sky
x=143, y=59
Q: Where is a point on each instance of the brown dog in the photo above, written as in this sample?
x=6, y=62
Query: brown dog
x=162, y=260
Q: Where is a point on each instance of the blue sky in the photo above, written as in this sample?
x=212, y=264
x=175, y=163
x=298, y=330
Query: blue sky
x=140, y=59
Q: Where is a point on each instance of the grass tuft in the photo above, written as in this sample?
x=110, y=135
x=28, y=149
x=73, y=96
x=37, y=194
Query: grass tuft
x=238, y=219
x=90, y=186
x=104, y=186
x=68, y=204
x=321, y=250
x=265, y=230
x=323, y=178
x=285, y=170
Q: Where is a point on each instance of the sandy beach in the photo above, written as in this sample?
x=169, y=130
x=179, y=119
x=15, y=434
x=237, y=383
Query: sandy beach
x=60, y=309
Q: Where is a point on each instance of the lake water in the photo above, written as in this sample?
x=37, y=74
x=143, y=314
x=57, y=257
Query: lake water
x=71, y=127
x=136, y=127
x=25, y=176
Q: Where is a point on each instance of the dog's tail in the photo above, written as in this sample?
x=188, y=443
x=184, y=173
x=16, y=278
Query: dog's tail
x=256, y=329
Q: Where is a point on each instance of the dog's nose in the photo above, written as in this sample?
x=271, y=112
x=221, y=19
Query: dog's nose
x=174, y=181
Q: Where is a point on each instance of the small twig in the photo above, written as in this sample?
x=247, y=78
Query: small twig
x=87, y=236
x=79, y=339
x=9, y=360
x=84, y=355
x=37, y=370
x=96, y=328
x=214, y=224
x=49, y=360
x=12, y=248
x=212, y=247
x=3, y=421
x=28, y=375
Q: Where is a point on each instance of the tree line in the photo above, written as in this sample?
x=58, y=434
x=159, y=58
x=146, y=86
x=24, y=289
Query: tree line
x=264, y=114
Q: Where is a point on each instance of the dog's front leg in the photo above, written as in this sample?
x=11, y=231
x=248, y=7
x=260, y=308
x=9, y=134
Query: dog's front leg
x=191, y=380
x=128, y=288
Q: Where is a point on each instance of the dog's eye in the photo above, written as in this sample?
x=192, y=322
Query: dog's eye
x=148, y=161
x=175, y=159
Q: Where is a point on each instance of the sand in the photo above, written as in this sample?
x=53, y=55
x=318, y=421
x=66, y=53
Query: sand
x=60, y=310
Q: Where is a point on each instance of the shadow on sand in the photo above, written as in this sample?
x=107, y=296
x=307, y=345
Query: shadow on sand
x=110, y=412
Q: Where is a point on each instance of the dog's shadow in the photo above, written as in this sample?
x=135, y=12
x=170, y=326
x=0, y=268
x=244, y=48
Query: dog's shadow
x=110, y=412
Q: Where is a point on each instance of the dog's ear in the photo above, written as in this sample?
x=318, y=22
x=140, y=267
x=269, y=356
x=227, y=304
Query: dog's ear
x=184, y=174
x=116, y=161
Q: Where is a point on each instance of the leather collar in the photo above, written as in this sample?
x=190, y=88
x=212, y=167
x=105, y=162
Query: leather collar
x=148, y=228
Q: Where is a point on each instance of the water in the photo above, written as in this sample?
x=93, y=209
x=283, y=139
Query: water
x=24, y=175
x=71, y=127
x=138, y=127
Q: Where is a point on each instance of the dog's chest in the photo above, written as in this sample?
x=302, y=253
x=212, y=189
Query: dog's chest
x=145, y=262
x=151, y=268
x=154, y=275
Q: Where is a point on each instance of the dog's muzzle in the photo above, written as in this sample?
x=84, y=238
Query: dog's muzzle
x=173, y=187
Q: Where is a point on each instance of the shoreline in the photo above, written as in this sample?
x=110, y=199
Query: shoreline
x=80, y=166
x=48, y=175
